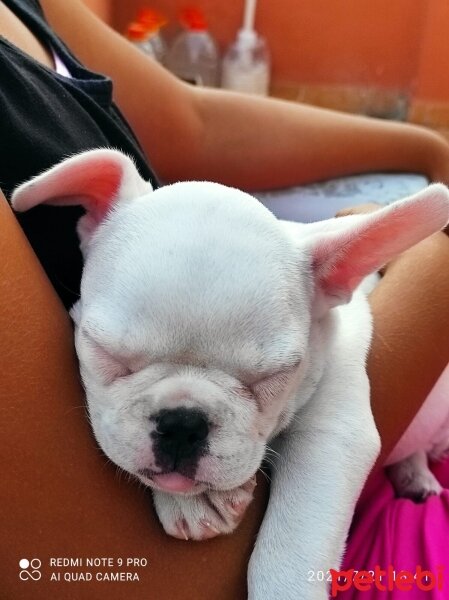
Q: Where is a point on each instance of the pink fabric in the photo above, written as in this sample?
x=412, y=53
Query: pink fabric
x=389, y=531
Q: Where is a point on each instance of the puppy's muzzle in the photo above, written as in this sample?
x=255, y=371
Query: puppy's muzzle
x=180, y=439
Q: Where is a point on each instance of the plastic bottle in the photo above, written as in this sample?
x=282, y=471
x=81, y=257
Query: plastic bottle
x=153, y=21
x=246, y=64
x=145, y=34
x=193, y=55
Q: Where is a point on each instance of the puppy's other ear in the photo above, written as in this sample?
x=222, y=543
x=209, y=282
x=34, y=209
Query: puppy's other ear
x=96, y=179
x=361, y=244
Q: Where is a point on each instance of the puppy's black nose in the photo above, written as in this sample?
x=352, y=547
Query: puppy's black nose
x=182, y=425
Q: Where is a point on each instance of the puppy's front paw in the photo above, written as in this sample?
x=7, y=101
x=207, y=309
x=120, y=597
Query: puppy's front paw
x=204, y=516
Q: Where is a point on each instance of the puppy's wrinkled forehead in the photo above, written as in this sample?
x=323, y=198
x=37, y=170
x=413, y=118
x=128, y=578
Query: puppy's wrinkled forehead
x=196, y=270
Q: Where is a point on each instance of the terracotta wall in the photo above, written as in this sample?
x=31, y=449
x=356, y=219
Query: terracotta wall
x=433, y=78
x=387, y=44
x=431, y=94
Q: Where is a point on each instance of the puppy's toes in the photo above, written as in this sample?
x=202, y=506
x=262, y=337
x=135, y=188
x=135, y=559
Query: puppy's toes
x=231, y=505
x=411, y=478
x=204, y=516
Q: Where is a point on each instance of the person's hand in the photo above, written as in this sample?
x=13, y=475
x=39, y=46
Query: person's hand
x=438, y=158
x=360, y=209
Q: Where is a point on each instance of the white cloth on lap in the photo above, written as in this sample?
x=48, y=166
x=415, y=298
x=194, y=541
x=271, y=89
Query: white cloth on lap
x=307, y=203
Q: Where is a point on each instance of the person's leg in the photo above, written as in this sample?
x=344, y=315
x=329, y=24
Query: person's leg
x=410, y=348
x=60, y=497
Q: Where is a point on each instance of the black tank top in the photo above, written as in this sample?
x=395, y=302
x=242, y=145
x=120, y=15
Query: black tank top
x=45, y=117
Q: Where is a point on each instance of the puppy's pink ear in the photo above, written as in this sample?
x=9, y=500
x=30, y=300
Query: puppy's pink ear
x=96, y=179
x=361, y=244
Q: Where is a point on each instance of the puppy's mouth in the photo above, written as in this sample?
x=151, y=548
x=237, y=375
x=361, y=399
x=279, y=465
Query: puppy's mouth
x=173, y=482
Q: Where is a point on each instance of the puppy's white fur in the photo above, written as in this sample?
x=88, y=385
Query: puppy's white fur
x=197, y=296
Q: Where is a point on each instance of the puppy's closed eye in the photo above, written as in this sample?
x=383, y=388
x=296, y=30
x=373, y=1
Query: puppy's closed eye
x=244, y=392
x=263, y=389
x=110, y=366
x=270, y=387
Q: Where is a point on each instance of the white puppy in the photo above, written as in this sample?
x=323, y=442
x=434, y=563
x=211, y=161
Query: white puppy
x=208, y=329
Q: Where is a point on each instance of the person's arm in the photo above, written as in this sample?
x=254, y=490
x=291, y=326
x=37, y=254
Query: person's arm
x=253, y=143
